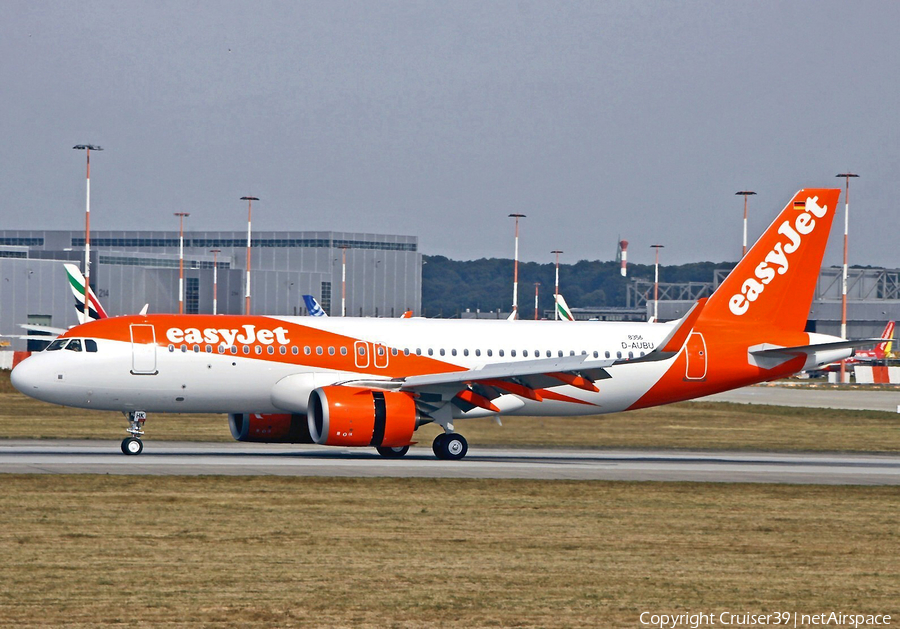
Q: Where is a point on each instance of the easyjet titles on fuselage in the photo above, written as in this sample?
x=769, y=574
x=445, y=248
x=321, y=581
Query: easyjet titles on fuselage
x=776, y=260
x=247, y=335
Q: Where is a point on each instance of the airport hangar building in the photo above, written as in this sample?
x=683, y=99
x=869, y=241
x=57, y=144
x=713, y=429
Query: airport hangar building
x=132, y=268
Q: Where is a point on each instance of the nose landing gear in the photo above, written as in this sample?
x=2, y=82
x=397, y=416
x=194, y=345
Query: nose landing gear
x=133, y=444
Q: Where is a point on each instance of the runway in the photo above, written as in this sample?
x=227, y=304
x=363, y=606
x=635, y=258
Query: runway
x=190, y=458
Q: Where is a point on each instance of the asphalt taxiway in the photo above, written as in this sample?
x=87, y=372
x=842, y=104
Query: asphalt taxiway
x=192, y=458
x=813, y=397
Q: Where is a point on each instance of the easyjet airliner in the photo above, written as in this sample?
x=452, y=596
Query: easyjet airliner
x=371, y=382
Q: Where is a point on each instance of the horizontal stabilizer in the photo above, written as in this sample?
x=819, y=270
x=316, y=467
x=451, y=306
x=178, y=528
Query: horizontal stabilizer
x=773, y=350
x=789, y=352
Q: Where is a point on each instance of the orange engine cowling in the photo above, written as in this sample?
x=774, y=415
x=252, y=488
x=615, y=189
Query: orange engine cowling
x=352, y=416
x=269, y=428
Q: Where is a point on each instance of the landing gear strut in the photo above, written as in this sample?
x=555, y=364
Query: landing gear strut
x=133, y=444
x=450, y=446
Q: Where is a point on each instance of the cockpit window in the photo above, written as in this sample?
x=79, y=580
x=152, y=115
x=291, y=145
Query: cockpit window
x=90, y=345
x=74, y=345
x=57, y=344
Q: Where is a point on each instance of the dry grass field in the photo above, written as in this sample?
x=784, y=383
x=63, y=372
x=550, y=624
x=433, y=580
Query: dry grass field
x=273, y=551
x=689, y=425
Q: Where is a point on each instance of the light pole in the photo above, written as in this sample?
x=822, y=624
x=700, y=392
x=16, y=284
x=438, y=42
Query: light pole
x=343, y=281
x=215, y=253
x=846, y=177
x=745, y=194
x=181, y=216
x=249, y=201
x=556, y=289
x=515, y=305
x=85, y=315
x=536, y=287
x=656, y=283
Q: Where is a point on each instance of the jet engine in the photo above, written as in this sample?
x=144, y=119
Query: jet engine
x=354, y=416
x=269, y=428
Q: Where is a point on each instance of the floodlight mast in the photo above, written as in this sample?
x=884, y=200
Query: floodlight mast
x=556, y=289
x=846, y=177
x=656, y=283
x=249, y=201
x=181, y=216
x=515, y=305
x=85, y=314
x=215, y=253
x=745, y=194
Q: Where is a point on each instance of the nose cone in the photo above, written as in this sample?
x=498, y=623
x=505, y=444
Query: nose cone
x=24, y=377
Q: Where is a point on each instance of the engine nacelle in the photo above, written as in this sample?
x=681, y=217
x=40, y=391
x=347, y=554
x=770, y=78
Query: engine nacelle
x=269, y=428
x=353, y=416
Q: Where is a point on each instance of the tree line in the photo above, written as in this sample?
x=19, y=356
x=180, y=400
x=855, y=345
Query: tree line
x=449, y=287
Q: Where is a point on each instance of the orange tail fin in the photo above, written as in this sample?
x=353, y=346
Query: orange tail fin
x=773, y=285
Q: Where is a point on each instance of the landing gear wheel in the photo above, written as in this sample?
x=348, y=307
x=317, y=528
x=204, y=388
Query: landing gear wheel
x=392, y=453
x=130, y=445
x=438, y=444
x=450, y=447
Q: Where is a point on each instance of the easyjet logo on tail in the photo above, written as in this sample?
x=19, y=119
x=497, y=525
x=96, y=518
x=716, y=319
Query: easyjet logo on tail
x=248, y=335
x=777, y=260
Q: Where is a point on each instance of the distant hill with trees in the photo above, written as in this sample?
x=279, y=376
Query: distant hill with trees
x=449, y=287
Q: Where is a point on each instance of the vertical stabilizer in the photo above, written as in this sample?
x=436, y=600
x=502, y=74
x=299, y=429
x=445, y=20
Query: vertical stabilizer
x=773, y=285
x=76, y=283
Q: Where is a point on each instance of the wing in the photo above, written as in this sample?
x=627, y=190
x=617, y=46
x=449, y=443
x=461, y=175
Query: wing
x=481, y=386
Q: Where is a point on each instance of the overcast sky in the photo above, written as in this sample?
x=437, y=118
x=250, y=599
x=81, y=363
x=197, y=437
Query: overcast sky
x=438, y=119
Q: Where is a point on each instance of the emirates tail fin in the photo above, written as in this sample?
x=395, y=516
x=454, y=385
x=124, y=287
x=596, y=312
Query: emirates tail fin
x=76, y=283
x=773, y=285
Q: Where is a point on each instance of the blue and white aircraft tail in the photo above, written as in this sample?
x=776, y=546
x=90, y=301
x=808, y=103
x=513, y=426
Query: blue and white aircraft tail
x=315, y=310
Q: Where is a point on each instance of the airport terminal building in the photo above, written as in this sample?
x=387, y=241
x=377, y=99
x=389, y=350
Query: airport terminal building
x=132, y=268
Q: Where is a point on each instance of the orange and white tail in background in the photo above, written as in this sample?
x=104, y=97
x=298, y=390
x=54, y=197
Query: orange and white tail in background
x=883, y=349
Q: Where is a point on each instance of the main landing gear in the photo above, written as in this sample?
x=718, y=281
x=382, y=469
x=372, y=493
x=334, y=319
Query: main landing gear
x=450, y=446
x=133, y=444
x=392, y=453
